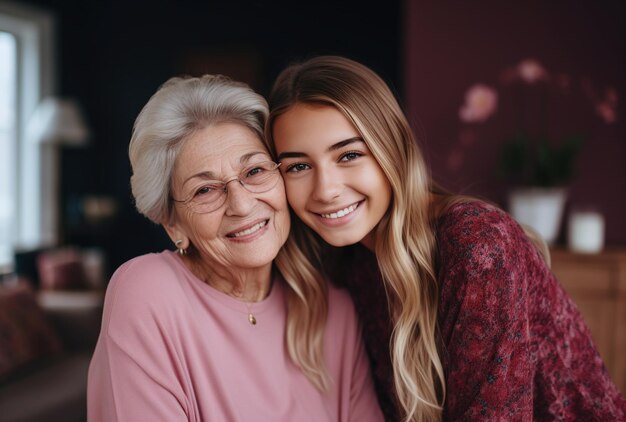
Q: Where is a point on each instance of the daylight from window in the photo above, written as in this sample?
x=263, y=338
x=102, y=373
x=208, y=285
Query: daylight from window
x=7, y=144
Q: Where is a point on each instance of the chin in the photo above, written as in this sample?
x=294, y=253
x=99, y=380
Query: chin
x=341, y=241
x=263, y=257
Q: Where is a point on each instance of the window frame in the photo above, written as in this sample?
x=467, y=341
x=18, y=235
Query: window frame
x=36, y=165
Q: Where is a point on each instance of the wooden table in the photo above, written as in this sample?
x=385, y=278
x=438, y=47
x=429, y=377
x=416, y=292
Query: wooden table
x=597, y=284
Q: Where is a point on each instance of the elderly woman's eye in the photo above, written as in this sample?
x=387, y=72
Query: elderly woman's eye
x=255, y=171
x=204, y=190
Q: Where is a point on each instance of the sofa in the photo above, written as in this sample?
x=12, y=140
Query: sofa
x=46, y=342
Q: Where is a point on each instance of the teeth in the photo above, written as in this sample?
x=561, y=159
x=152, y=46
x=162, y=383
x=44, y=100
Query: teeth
x=251, y=230
x=341, y=213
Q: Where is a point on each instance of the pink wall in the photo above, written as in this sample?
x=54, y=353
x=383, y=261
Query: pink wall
x=451, y=45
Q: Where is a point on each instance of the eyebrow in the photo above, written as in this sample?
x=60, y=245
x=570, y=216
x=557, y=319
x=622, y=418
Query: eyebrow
x=333, y=147
x=209, y=175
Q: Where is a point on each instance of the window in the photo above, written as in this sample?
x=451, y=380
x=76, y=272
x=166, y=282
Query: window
x=8, y=82
x=26, y=169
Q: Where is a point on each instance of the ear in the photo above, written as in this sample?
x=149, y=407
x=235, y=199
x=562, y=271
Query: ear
x=176, y=233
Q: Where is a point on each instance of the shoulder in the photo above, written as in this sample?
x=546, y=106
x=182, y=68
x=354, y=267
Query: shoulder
x=475, y=220
x=149, y=265
x=145, y=272
x=145, y=285
x=476, y=233
x=482, y=251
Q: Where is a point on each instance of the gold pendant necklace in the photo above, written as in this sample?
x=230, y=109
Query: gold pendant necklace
x=251, y=317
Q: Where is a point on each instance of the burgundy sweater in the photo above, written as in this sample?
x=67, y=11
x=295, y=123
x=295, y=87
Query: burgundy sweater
x=514, y=345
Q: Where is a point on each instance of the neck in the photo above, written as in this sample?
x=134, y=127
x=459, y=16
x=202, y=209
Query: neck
x=369, y=242
x=246, y=284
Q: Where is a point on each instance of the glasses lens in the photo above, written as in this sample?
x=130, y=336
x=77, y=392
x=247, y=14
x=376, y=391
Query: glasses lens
x=208, y=198
x=257, y=178
x=260, y=177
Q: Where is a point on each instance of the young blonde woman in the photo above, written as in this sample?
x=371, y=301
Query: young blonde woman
x=462, y=318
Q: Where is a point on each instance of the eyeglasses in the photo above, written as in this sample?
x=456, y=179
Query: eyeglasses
x=257, y=178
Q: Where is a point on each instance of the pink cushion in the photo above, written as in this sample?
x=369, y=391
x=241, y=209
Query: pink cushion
x=61, y=269
x=25, y=333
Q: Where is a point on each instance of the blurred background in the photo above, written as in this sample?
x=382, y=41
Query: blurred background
x=109, y=57
x=544, y=79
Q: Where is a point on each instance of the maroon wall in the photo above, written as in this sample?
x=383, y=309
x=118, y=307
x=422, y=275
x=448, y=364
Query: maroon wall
x=451, y=45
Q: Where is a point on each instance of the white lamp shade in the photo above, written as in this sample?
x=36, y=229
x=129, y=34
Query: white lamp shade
x=58, y=121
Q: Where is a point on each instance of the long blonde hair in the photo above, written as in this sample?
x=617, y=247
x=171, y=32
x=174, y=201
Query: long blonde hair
x=405, y=239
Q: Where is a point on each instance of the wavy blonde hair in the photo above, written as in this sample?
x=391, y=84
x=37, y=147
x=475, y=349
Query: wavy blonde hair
x=405, y=239
x=182, y=106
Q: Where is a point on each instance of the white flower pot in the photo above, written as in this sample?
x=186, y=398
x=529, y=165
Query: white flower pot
x=539, y=208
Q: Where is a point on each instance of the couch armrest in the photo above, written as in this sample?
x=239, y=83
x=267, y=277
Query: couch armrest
x=76, y=315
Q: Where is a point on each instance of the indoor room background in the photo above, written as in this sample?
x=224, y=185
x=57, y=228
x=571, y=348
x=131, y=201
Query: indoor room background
x=111, y=56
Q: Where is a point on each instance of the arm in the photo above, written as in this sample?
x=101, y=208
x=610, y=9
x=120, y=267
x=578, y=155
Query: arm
x=133, y=374
x=122, y=389
x=485, y=263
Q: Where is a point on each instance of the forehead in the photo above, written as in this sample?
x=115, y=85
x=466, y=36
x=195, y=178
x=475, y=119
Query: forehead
x=218, y=147
x=311, y=125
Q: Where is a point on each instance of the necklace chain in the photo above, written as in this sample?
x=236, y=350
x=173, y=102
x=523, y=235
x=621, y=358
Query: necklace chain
x=251, y=317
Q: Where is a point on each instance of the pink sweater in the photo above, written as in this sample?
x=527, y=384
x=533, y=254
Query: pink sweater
x=174, y=349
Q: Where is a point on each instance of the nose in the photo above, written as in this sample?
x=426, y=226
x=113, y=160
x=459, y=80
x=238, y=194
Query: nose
x=328, y=185
x=238, y=200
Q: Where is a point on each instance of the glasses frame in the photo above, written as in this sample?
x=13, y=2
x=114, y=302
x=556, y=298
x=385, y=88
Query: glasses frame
x=221, y=200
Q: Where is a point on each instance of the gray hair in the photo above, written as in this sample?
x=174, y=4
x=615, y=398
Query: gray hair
x=180, y=107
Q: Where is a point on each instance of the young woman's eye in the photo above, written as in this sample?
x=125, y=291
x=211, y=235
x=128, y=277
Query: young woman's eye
x=296, y=168
x=350, y=155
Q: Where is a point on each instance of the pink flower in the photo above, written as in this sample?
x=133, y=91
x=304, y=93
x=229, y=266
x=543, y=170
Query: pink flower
x=606, y=112
x=611, y=96
x=606, y=108
x=481, y=101
x=531, y=71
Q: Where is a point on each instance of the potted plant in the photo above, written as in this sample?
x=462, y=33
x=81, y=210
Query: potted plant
x=539, y=172
x=537, y=162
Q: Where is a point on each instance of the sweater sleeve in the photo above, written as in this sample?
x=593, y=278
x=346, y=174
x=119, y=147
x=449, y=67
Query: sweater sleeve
x=514, y=344
x=133, y=372
x=485, y=263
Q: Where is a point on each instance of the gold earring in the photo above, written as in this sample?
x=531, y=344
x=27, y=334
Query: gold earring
x=180, y=251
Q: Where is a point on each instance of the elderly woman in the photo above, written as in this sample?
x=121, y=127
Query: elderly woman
x=220, y=330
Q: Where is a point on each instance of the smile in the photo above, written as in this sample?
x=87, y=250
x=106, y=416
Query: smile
x=342, y=213
x=250, y=230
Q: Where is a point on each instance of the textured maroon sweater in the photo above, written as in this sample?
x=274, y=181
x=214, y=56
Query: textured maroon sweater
x=514, y=345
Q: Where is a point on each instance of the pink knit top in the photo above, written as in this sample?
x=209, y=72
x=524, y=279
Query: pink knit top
x=174, y=349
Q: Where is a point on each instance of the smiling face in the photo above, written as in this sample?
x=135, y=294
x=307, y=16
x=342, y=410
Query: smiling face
x=333, y=182
x=248, y=229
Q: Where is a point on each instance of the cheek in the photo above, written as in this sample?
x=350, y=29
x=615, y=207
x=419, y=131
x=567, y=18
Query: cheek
x=297, y=195
x=201, y=227
x=278, y=202
x=380, y=188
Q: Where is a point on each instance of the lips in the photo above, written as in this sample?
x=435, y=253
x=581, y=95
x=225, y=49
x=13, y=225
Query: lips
x=249, y=230
x=341, y=212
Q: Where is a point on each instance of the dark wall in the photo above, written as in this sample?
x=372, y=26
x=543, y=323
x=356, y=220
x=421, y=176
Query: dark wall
x=452, y=45
x=113, y=55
